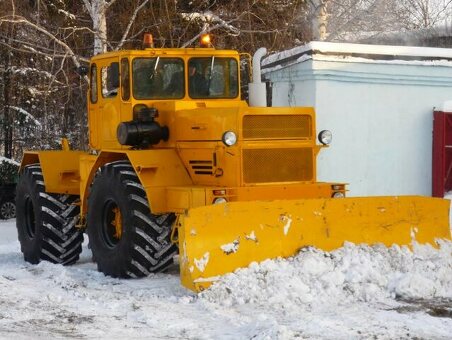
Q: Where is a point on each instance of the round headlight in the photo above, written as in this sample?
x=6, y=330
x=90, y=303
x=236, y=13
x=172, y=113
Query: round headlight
x=325, y=137
x=229, y=138
x=338, y=194
x=219, y=200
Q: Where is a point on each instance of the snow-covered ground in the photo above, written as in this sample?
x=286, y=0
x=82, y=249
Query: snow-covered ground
x=356, y=292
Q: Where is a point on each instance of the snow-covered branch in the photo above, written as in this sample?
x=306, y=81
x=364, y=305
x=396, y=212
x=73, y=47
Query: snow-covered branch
x=28, y=116
x=21, y=20
x=129, y=25
x=210, y=23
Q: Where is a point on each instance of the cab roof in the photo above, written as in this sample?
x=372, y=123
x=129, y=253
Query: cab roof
x=173, y=52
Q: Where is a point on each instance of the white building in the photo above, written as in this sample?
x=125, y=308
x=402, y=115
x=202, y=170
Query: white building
x=377, y=101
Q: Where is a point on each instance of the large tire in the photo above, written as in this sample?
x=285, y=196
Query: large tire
x=126, y=239
x=46, y=223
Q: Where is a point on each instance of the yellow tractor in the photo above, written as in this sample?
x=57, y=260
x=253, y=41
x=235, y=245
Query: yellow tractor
x=178, y=162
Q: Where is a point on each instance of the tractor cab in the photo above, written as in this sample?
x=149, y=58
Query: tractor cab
x=124, y=82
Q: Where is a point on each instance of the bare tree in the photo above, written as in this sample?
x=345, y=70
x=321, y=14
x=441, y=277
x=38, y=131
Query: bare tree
x=319, y=19
x=426, y=13
x=357, y=19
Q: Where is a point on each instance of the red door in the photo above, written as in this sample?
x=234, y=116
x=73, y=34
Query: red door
x=442, y=153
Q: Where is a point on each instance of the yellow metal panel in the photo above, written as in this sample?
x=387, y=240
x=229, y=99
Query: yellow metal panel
x=285, y=191
x=157, y=169
x=61, y=171
x=211, y=163
x=108, y=120
x=221, y=238
x=203, y=124
x=179, y=199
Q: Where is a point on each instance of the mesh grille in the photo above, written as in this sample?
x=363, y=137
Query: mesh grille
x=277, y=165
x=281, y=126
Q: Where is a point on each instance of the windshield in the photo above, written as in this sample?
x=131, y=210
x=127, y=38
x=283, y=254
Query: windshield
x=212, y=77
x=158, y=78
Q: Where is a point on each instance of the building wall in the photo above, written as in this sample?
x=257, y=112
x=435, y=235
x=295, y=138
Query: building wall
x=380, y=114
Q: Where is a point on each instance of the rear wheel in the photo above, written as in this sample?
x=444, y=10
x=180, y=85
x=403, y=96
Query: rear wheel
x=127, y=240
x=46, y=223
x=7, y=210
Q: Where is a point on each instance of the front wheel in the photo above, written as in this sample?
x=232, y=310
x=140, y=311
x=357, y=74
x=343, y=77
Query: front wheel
x=126, y=239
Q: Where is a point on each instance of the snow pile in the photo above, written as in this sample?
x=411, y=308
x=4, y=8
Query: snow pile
x=353, y=273
x=8, y=160
x=314, y=295
x=332, y=48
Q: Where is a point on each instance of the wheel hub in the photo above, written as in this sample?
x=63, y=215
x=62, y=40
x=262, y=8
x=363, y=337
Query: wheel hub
x=117, y=223
x=8, y=210
x=111, y=224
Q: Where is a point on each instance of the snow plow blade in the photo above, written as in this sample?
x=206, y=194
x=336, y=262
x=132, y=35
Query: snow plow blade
x=218, y=239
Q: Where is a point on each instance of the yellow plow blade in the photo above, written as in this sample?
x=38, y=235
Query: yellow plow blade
x=218, y=239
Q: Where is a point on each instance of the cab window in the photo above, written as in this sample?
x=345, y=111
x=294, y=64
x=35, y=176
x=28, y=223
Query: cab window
x=158, y=78
x=110, y=80
x=93, y=83
x=125, y=79
x=213, y=77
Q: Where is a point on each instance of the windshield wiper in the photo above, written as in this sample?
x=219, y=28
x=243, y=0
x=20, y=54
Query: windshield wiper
x=155, y=68
x=210, y=75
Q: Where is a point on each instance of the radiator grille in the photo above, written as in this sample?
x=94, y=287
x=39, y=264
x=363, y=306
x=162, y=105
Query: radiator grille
x=277, y=165
x=277, y=126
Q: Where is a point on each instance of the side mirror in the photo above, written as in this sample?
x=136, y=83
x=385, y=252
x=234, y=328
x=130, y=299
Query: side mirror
x=82, y=71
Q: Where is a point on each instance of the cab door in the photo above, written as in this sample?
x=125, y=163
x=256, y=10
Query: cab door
x=93, y=106
x=109, y=103
x=104, y=103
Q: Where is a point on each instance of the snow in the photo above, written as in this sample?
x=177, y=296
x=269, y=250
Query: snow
x=232, y=247
x=202, y=262
x=26, y=71
x=347, y=48
x=67, y=14
x=209, y=18
x=8, y=160
x=288, y=221
x=251, y=236
x=354, y=292
x=344, y=52
x=28, y=116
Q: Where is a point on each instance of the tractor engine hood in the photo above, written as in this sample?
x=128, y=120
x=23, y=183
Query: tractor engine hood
x=205, y=124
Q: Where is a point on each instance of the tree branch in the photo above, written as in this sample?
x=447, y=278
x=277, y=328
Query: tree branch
x=129, y=25
x=62, y=44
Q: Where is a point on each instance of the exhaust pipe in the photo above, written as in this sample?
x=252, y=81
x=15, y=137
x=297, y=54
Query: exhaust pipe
x=257, y=89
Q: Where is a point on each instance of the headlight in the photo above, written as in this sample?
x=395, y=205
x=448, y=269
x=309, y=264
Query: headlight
x=325, y=137
x=219, y=200
x=229, y=138
x=338, y=194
